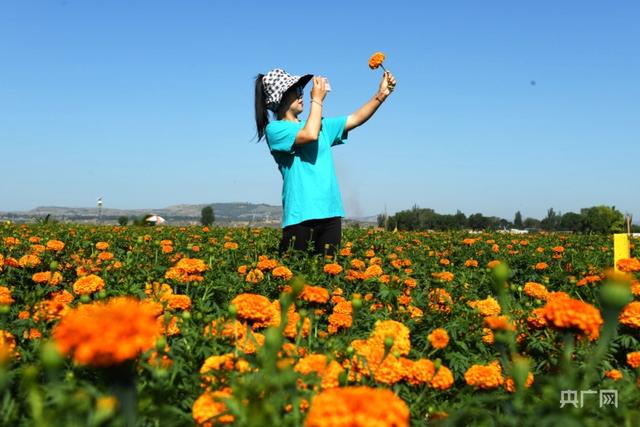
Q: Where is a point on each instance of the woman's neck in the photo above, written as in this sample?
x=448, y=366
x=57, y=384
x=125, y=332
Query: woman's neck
x=290, y=117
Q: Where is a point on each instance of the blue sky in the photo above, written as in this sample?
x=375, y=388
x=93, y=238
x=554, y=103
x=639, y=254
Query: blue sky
x=150, y=103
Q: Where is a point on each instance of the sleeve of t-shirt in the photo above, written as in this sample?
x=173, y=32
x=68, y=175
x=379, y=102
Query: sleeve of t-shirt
x=281, y=136
x=335, y=129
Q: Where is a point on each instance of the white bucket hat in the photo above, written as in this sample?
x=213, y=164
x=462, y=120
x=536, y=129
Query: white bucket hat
x=276, y=82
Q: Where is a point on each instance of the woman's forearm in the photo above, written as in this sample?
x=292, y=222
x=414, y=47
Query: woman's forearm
x=365, y=112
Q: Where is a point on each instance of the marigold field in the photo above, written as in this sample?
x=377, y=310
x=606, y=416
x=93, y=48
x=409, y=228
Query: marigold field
x=170, y=326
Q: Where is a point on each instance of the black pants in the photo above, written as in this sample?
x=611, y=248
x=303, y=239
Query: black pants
x=315, y=233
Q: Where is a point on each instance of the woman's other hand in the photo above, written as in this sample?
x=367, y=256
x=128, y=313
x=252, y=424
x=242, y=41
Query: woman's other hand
x=319, y=89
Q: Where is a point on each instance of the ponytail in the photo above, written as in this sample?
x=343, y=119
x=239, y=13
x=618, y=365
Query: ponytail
x=262, y=116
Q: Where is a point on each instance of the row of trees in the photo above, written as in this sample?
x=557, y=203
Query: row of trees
x=596, y=219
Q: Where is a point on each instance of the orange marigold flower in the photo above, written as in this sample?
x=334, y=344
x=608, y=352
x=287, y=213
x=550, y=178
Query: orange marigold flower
x=357, y=407
x=629, y=265
x=230, y=246
x=250, y=342
x=536, y=290
x=187, y=270
x=487, y=307
x=253, y=307
x=182, y=302
x=421, y=372
x=46, y=277
x=468, y=241
x=384, y=329
x=29, y=261
x=573, y=314
x=536, y=318
x=488, y=337
x=541, y=266
x=471, y=263
x=327, y=370
x=444, y=276
x=87, y=285
x=55, y=245
x=485, y=376
x=373, y=271
x=588, y=279
x=107, y=333
x=7, y=347
x=358, y=264
x=333, y=269
x=440, y=300
x=439, y=338
x=499, y=323
x=282, y=272
x=376, y=60
x=315, y=294
x=633, y=359
x=443, y=379
x=209, y=409
x=102, y=246
x=614, y=374
x=11, y=241
x=105, y=256
x=510, y=385
x=630, y=315
x=266, y=264
x=5, y=296
x=493, y=264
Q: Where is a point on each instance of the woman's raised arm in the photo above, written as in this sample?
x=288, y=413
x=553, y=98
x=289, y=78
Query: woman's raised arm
x=365, y=112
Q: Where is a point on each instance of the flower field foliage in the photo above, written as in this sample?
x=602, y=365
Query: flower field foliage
x=169, y=326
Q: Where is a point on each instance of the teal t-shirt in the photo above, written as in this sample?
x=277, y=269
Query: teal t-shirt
x=310, y=188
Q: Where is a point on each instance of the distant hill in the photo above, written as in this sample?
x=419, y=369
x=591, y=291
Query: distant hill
x=225, y=213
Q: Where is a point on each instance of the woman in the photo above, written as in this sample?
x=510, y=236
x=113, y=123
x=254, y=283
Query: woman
x=311, y=200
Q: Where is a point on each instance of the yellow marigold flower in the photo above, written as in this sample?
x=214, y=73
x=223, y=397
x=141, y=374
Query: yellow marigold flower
x=87, y=285
x=633, y=359
x=487, y=307
x=254, y=276
x=484, y=376
x=5, y=296
x=357, y=407
x=573, y=314
x=282, y=272
x=630, y=315
x=208, y=409
x=107, y=333
x=55, y=245
x=439, y=338
x=315, y=294
x=333, y=269
x=536, y=290
x=29, y=261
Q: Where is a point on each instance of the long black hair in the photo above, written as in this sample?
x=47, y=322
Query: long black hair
x=262, y=114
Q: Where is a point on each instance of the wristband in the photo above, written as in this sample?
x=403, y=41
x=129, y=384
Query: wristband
x=319, y=103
